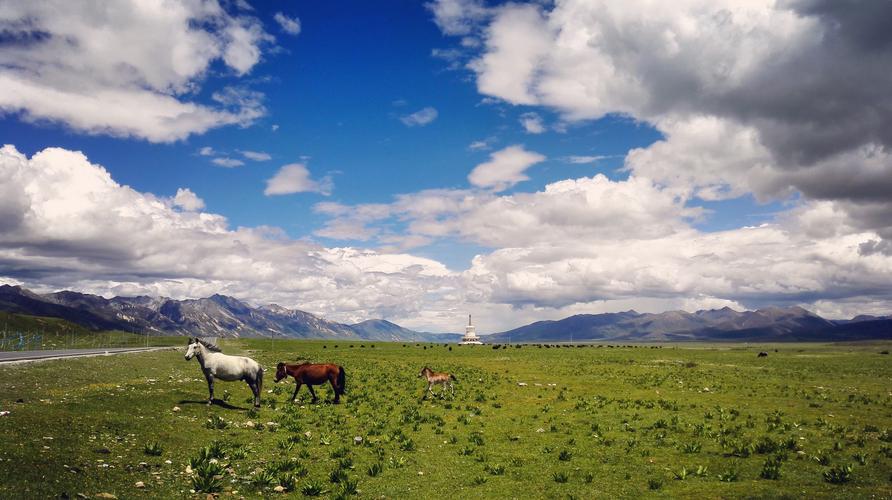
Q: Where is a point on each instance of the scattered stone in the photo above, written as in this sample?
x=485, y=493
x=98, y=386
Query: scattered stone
x=279, y=489
x=188, y=469
x=4, y=413
x=176, y=408
x=143, y=465
x=522, y=384
x=540, y=430
x=106, y=495
x=420, y=473
x=168, y=462
x=308, y=434
x=357, y=440
x=140, y=484
x=249, y=424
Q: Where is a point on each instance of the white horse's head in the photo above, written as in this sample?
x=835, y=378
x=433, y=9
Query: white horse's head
x=193, y=348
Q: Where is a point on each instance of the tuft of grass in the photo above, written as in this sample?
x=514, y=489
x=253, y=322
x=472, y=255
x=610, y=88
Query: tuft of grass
x=495, y=470
x=728, y=476
x=375, y=469
x=654, y=483
x=479, y=480
x=208, y=478
x=153, y=449
x=839, y=474
x=565, y=456
x=312, y=488
x=216, y=422
x=771, y=469
x=560, y=477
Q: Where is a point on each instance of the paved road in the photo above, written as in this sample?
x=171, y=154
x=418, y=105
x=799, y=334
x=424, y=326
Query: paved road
x=69, y=353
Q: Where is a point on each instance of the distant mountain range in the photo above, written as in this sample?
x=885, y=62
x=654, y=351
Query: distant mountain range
x=222, y=316
x=772, y=324
x=214, y=316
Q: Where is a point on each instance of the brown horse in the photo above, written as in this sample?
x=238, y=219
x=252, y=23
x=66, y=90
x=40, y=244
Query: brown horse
x=313, y=374
x=441, y=378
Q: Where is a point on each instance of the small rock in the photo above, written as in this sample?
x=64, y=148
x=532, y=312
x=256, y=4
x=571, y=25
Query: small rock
x=249, y=424
x=4, y=413
x=420, y=473
x=168, y=462
x=188, y=469
x=522, y=384
x=279, y=489
x=357, y=440
x=308, y=434
x=176, y=408
x=540, y=430
x=106, y=495
x=140, y=484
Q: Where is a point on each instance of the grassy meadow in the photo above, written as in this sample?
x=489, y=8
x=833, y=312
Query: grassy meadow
x=696, y=421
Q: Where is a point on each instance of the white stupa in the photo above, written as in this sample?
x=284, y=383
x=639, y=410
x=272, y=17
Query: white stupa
x=470, y=336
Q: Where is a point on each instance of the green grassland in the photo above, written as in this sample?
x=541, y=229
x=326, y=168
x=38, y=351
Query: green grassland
x=694, y=421
x=22, y=332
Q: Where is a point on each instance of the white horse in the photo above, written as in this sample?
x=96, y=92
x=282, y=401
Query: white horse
x=215, y=364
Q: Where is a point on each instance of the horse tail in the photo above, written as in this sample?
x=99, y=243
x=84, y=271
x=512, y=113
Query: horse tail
x=342, y=380
x=453, y=377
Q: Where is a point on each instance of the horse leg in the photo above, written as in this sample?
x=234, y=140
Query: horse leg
x=312, y=392
x=210, y=379
x=255, y=389
x=451, y=386
x=334, y=387
x=296, y=388
x=429, y=390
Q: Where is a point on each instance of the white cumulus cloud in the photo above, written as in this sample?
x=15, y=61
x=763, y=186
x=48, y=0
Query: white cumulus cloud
x=295, y=178
x=505, y=168
x=88, y=67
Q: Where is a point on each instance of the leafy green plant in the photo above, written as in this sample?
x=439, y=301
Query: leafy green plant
x=693, y=447
x=479, y=480
x=264, y=478
x=839, y=474
x=728, y=476
x=349, y=487
x=216, y=422
x=821, y=457
x=153, y=449
x=681, y=474
x=654, y=483
x=288, y=481
x=207, y=477
x=771, y=469
x=560, y=477
x=495, y=470
x=312, y=488
x=565, y=456
x=337, y=476
x=408, y=445
x=375, y=469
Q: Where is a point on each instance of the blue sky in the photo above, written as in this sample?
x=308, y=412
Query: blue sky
x=681, y=159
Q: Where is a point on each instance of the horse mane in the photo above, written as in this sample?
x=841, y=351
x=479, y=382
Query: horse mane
x=209, y=346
